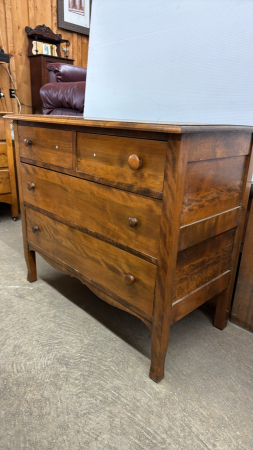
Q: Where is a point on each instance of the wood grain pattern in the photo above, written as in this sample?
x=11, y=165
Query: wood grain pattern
x=19, y=60
x=47, y=146
x=242, y=311
x=117, y=184
x=201, y=263
x=107, y=157
x=7, y=45
x=218, y=145
x=157, y=127
x=3, y=154
x=96, y=207
x=2, y=128
x=212, y=187
x=5, y=185
x=91, y=127
x=113, y=125
x=42, y=11
x=175, y=168
x=206, y=228
x=8, y=188
x=196, y=298
x=30, y=256
x=223, y=300
x=96, y=260
x=12, y=170
x=210, y=196
x=6, y=198
x=107, y=298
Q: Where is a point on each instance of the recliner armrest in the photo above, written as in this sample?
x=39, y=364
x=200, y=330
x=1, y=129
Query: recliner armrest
x=63, y=95
x=65, y=73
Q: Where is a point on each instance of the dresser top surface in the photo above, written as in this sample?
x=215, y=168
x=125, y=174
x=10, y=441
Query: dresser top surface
x=4, y=113
x=161, y=127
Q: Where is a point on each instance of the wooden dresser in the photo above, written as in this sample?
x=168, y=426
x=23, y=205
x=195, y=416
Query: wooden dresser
x=8, y=186
x=148, y=216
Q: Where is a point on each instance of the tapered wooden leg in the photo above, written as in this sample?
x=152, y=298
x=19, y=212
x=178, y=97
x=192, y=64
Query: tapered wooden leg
x=222, y=309
x=159, y=345
x=31, y=265
x=14, y=211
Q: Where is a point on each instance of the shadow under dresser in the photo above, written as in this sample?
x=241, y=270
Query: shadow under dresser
x=148, y=216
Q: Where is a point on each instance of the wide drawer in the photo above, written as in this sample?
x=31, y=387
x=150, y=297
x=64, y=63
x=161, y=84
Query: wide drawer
x=5, y=186
x=116, y=272
x=46, y=145
x=107, y=158
x=126, y=218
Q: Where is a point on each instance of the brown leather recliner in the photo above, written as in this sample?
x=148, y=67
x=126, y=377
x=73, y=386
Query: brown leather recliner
x=64, y=95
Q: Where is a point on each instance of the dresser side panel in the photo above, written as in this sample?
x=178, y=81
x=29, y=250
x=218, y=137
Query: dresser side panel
x=212, y=218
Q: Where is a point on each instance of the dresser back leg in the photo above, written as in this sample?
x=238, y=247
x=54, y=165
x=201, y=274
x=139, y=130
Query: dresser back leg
x=222, y=309
x=30, y=258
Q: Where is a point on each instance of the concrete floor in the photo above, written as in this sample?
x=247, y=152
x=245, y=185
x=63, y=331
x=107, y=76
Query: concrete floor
x=74, y=370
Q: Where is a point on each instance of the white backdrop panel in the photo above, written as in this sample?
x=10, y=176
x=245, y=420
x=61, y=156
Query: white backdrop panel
x=171, y=61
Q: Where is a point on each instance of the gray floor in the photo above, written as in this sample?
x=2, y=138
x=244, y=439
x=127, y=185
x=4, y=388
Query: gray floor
x=74, y=370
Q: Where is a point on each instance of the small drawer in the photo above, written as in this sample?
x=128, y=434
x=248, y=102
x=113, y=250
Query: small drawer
x=125, y=162
x=5, y=185
x=46, y=145
x=126, y=218
x=116, y=272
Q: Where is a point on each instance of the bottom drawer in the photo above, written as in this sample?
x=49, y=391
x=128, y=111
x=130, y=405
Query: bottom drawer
x=5, y=185
x=102, y=264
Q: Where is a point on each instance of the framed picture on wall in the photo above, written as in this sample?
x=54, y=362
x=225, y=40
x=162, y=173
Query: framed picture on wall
x=74, y=15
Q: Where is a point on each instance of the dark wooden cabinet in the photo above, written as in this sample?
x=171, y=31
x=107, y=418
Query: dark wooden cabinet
x=40, y=75
x=148, y=216
x=39, y=60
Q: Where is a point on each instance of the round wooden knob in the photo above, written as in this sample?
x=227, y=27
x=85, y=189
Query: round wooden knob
x=132, y=222
x=27, y=142
x=35, y=228
x=129, y=279
x=30, y=186
x=134, y=162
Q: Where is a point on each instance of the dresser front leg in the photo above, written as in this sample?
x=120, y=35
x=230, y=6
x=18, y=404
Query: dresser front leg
x=30, y=258
x=159, y=345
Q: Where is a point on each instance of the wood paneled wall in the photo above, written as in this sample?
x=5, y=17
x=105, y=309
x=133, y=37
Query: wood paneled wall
x=15, y=15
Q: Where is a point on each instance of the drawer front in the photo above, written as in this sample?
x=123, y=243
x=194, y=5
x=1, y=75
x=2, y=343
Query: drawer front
x=107, y=158
x=104, y=265
x=46, y=145
x=3, y=155
x=110, y=212
x=5, y=186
